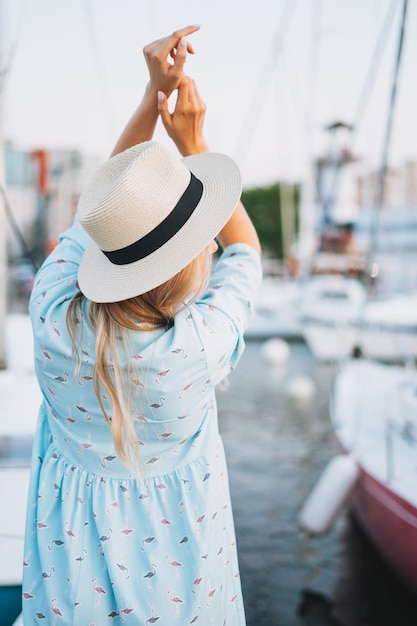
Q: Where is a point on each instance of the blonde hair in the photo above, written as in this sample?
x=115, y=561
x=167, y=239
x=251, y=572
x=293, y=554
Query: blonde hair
x=156, y=309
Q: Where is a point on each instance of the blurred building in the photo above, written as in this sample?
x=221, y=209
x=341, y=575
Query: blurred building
x=42, y=189
x=400, y=187
x=21, y=196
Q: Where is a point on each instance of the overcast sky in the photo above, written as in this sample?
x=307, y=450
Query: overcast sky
x=269, y=72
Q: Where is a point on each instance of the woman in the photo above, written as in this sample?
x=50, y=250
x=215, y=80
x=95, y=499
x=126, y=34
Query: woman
x=129, y=517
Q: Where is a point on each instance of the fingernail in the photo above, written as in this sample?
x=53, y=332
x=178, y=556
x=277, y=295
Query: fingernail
x=161, y=96
x=183, y=41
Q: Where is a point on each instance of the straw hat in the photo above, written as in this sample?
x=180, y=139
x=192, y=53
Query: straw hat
x=149, y=214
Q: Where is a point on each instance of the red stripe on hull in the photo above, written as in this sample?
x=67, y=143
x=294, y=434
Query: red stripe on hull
x=390, y=522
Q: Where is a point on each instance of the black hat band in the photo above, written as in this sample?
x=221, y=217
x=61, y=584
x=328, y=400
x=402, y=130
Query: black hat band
x=162, y=233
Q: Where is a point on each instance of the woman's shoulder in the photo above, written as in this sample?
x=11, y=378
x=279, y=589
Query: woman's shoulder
x=237, y=252
x=234, y=284
x=215, y=323
x=56, y=280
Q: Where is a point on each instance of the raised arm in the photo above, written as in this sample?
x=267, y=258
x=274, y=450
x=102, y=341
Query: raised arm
x=164, y=76
x=185, y=127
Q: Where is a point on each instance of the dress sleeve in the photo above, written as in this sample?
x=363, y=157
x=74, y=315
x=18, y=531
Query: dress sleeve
x=56, y=280
x=227, y=307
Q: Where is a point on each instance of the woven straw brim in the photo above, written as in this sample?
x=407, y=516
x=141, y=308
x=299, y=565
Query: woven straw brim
x=102, y=281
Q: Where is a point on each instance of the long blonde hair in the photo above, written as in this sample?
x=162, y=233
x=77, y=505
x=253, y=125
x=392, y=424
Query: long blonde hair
x=156, y=309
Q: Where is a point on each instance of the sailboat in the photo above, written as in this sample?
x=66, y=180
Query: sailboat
x=326, y=296
x=338, y=313
x=384, y=328
x=21, y=398
x=332, y=294
x=374, y=417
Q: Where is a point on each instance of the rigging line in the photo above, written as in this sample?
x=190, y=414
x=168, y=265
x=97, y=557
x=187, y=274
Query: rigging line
x=393, y=96
x=4, y=71
x=313, y=71
x=295, y=103
x=374, y=65
x=103, y=85
x=10, y=55
x=295, y=86
x=360, y=109
x=15, y=228
x=380, y=193
x=248, y=125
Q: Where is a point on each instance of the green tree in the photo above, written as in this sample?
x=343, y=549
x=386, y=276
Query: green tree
x=264, y=207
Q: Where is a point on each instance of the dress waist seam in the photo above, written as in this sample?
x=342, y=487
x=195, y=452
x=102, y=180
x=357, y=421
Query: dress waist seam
x=58, y=454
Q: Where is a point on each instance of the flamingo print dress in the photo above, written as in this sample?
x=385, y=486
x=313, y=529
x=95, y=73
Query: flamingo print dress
x=102, y=545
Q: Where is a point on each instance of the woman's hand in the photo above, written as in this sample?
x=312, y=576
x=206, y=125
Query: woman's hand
x=164, y=75
x=185, y=124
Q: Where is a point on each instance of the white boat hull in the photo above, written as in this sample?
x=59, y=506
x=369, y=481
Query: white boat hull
x=14, y=482
x=384, y=330
x=329, y=342
x=374, y=413
x=276, y=311
x=333, y=342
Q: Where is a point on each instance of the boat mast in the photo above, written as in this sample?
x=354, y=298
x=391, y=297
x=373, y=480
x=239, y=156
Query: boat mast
x=3, y=249
x=307, y=244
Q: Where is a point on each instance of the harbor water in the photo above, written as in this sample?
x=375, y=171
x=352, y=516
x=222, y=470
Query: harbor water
x=277, y=443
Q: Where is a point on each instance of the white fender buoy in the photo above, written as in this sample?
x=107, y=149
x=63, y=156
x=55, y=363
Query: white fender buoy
x=300, y=388
x=329, y=495
x=275, y=351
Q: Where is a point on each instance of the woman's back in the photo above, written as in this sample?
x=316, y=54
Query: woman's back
x=170, y=532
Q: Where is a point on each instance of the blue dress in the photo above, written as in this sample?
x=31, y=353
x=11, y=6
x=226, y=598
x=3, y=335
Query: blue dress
x=103, y=546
